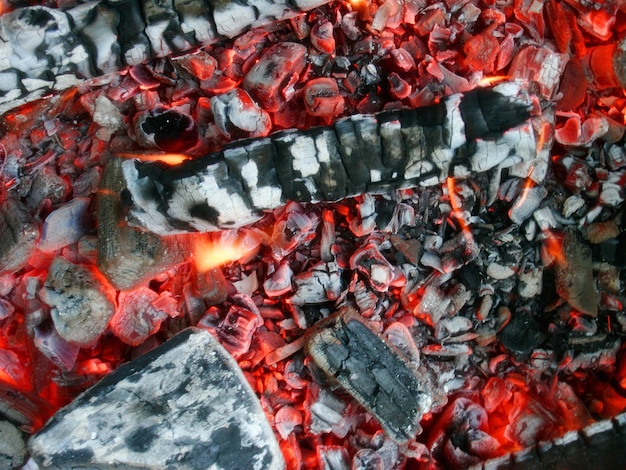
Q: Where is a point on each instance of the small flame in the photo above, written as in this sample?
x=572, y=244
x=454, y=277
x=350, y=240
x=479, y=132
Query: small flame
x=214, y=250
x=552, y=248
x=361, y=7
x=455, y=202
x=167, y=158
x=490, y=81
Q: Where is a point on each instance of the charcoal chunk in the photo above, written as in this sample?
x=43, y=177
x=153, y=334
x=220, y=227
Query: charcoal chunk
x=184, y=405
x=522, y=334
x=18, y=233
x=82, y=301
x=395, y=391
x=574, y=275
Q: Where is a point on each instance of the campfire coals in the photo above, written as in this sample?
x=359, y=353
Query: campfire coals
x=467, y=272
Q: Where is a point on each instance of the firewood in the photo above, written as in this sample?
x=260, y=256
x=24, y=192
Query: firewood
x=45, y=49
x=362, y=153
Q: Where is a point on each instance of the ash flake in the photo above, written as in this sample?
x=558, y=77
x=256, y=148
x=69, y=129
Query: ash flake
x=454, y=122
x=304, y=153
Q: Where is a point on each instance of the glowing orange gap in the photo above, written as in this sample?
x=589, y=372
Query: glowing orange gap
x=167, y=158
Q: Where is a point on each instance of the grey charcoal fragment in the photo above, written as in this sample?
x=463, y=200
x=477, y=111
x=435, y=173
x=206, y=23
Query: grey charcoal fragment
x=65, y=225
x=18, y=233
x=183, y=405
x=574, y=275
x=128, y=256
x=396, y=392
x=619, y=62
x=321, y=283
x=527, y=203
x=12, y=446
x=26, y=409
x=82, y=301
x=522, y=334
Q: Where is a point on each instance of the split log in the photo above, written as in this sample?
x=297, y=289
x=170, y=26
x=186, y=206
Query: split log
x=392, y=150
x=45, y=49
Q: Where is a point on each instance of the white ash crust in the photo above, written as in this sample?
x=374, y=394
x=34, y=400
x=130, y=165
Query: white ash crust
x=185, y=404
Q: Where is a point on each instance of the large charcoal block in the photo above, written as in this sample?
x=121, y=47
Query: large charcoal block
x=388, y=385
x=184, y=405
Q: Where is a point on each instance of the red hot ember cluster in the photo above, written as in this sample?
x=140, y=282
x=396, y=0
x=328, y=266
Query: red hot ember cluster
x=504, y=287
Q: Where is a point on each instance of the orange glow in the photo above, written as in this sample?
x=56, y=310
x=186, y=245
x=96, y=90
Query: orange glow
x=490, y=81
x=552, y=248
x=362, y=7
x=12, y=371
x=456, y=204
x=214, y=250
x=94, y=366
x=167, y=158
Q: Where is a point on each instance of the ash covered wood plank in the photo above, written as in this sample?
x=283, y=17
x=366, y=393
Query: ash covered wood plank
x=361, y=153
x=394, y=390
x=45, y=49
x=185, y=405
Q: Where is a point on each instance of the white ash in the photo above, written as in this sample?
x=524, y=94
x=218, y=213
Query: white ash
x=140, y=417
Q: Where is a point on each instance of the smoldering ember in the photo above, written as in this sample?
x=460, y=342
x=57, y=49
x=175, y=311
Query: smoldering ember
x=342, y=235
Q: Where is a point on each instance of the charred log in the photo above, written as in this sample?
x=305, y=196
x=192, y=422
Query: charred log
x=45, y=49
x=362, y=153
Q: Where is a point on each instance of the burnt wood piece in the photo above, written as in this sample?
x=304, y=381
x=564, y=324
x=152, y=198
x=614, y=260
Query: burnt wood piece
x=601, y=445
x=19, y=233
x=45, y=49
x=128, y=256
x=358, y=154
x=387, y=384
x=184, y=405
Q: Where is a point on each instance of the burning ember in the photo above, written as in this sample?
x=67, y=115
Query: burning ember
x=356, y=234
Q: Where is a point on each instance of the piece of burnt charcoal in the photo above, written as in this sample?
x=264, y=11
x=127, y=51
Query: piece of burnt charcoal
x=522, y=334
x=169, y=130
x=394, y=390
